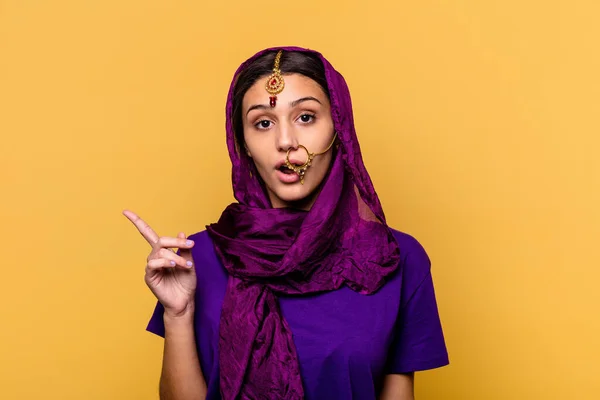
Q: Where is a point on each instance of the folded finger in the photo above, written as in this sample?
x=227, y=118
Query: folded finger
x=159, y=263
x=178, y=242
x=179, y=260
x=185, y=252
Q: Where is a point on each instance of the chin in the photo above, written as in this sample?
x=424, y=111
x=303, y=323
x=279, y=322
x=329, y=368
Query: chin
x=293, y=195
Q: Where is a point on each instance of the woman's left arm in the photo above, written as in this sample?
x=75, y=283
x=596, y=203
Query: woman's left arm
x=398, y=387
x=418, y=341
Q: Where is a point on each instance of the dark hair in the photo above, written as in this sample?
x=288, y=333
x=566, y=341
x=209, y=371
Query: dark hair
x=307, y=64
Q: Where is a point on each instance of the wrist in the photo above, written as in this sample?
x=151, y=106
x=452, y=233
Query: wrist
x=180, y=315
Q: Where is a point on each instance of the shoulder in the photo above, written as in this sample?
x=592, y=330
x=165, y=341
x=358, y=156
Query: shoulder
x=415, y=264
x=204, y=249
x=209, y=269
x=411, y=251
x=201, y=238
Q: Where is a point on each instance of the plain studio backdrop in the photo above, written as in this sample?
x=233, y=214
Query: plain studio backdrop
x=479, y=124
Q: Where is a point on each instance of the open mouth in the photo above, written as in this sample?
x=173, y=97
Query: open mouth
x=285, y=169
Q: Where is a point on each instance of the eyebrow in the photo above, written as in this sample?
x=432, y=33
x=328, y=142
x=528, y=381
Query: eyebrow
x=292, y=104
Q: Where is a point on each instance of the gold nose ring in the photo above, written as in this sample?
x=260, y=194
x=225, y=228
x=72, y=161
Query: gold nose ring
x=301, y=169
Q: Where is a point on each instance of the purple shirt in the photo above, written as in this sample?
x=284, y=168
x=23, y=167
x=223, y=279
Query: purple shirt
x=346, y=342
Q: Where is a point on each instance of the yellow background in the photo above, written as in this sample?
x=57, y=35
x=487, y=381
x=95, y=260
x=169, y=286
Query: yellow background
x=478, y=122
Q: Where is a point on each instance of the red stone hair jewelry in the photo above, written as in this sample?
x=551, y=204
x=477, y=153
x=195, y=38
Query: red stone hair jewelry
x=301, y=169
x=275, y=83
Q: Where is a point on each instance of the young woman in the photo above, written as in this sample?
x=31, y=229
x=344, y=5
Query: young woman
x=300, y=290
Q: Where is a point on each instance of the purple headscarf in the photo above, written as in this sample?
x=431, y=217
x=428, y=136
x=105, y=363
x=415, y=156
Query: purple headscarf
x=342, y=240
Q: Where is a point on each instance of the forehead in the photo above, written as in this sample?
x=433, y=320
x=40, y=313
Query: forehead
x=296, y=87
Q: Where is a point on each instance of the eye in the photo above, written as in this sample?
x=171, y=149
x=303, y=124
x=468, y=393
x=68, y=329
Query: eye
x=263, y=124
x=307, y=118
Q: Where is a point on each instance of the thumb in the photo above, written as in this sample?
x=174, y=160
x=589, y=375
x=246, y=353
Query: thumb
x=185, y=253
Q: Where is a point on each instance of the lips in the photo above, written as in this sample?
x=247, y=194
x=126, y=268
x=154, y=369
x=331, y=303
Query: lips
x=282, y=163
x=287, y=177
x=285, y=174
x=285, y=169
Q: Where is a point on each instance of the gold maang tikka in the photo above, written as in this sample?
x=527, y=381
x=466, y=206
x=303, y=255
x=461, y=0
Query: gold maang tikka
x=274, y=86
x=301, y=169
x=275, y=83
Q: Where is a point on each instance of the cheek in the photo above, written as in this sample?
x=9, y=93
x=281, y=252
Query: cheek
x=260, y=154
x=254, y=144
x=325, y=163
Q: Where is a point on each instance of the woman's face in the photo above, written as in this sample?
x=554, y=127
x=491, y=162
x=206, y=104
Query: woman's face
x=302, y=116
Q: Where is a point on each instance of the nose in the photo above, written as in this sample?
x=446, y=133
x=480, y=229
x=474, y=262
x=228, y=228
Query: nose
x=286, y=138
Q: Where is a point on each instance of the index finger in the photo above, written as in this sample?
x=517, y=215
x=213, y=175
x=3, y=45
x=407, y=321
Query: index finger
x=147, y=232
